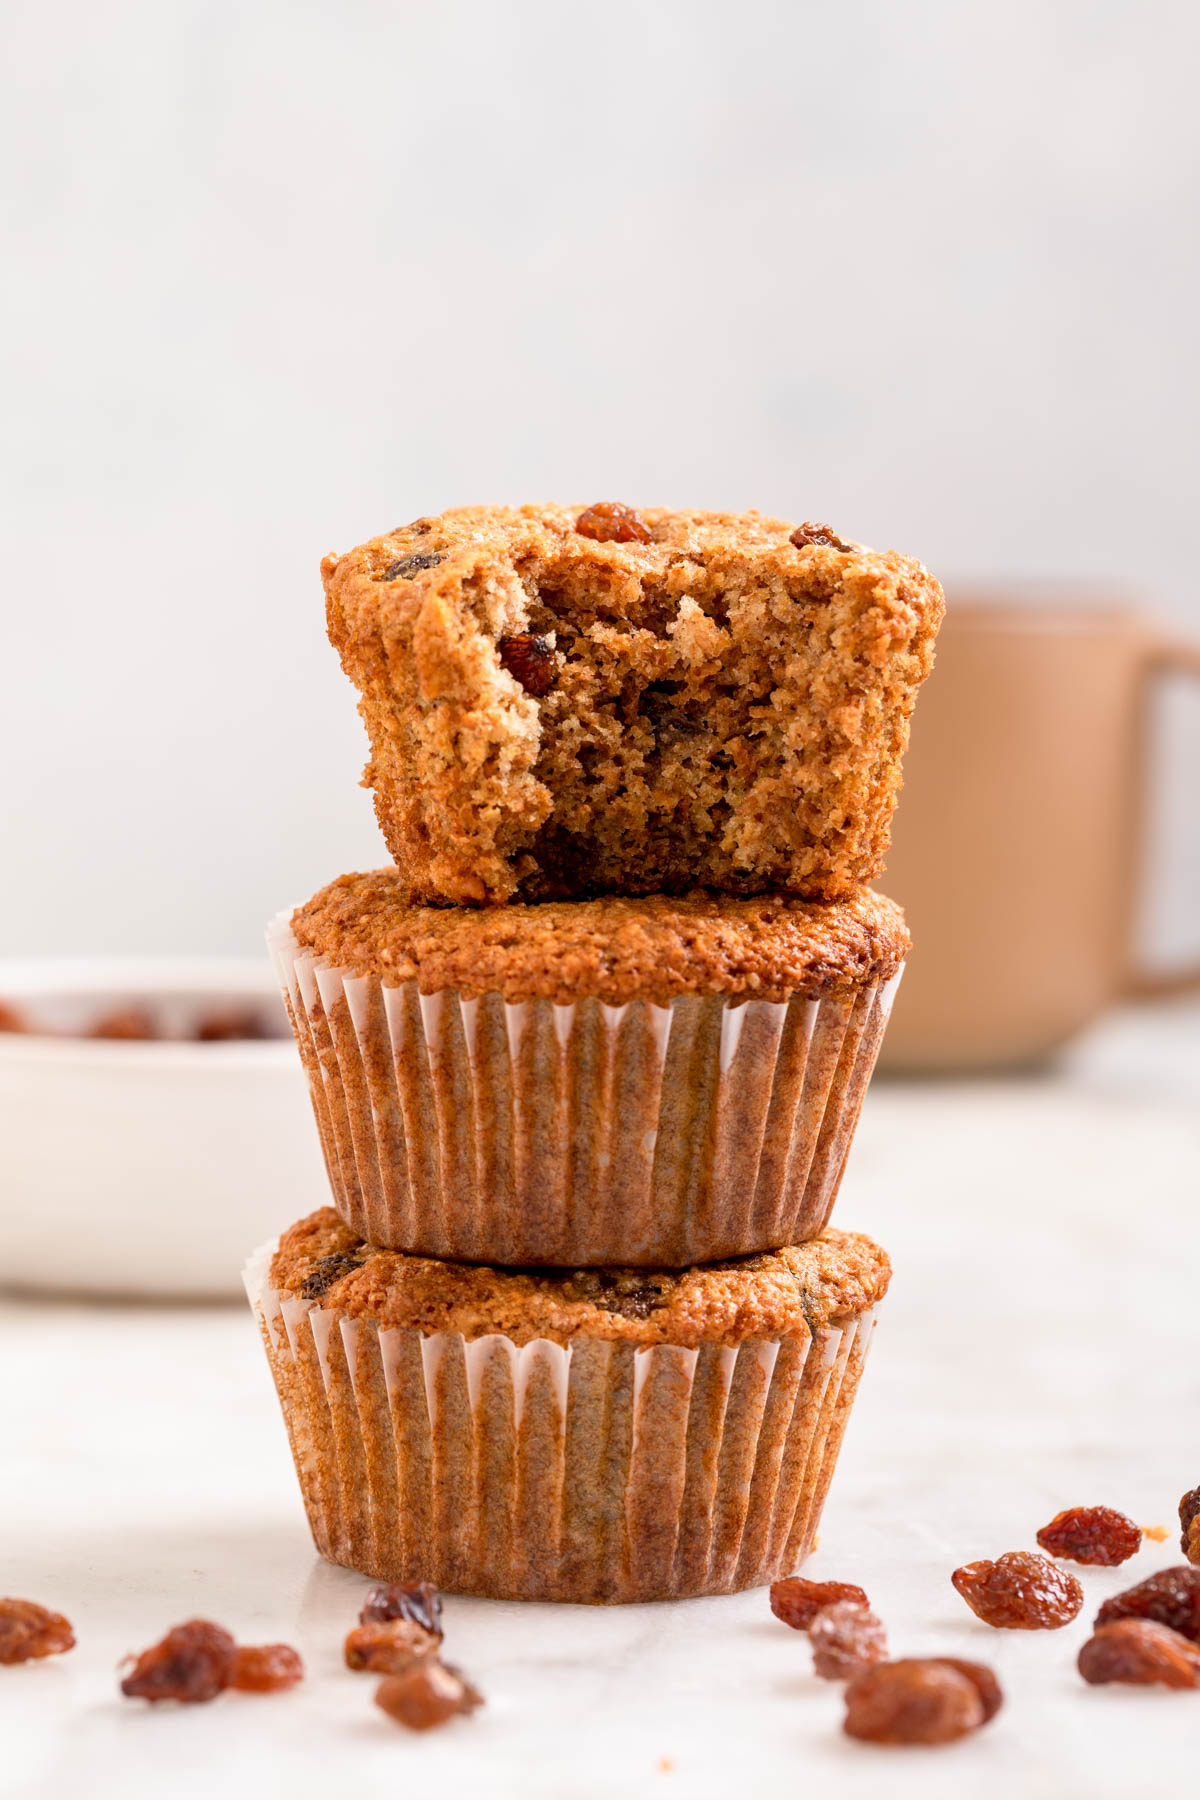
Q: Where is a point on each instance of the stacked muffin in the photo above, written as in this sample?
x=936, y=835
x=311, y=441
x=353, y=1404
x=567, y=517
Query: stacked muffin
x=586, y=1062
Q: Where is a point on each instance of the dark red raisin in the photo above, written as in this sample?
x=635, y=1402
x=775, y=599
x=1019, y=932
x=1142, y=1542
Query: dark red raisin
x=427, y=1694
x=266, y=1668
x=529, y=660
x=1091, y=1534
x=845, y=1637
x=610, y=522
x=387, y=1646
x=1019, y=1592
x=917, y=1701
x=28, y=1630
x=797, y=1602
x=406, y=567
x=808, y=533
x=194, y=1662
x=416, y=1600
x=1189, y=1512
x=1141, y=1652
x=1172, y=1597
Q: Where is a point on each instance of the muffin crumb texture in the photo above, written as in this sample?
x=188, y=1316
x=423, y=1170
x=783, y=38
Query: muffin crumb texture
x=788, y=1293
x=715, y=700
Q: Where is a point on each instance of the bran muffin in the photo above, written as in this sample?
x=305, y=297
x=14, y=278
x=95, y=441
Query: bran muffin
x=562, y=705
x=584, y=1435
x=646, y=1081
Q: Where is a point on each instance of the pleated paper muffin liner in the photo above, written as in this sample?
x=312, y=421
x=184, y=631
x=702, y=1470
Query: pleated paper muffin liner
x=597, y=1471
x=576, y=1135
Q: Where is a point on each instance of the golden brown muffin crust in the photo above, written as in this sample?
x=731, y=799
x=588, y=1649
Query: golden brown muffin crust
x=792, y=1292
x=613, y=950
x=724, y=708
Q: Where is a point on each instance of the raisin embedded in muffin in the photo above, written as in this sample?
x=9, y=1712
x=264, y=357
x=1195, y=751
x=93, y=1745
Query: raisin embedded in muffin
x=690, y=699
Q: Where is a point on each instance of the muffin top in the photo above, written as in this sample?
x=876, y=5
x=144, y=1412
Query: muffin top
x=612, y=950
x=563, y=703
x=786, y=1293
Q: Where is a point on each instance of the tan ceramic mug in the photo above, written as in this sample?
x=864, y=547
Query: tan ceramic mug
x=1018, y=844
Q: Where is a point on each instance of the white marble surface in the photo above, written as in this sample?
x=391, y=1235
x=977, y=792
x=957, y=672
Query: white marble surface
x=1039, y=1349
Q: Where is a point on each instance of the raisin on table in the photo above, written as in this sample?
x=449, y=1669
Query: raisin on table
x=796, y=1602
x=1019, y=1592
x=266, y=1668
x=1091, y=1534
x=426, y=1695
x=416, y=1600
x=986, y=1685
x=1140, y=1652
x=1189, y=1531
x=388, y=1646
x=1171, y=1597
x=28, y=1630
x=193, y=1663
x=845, y=1638
x=921, y=1700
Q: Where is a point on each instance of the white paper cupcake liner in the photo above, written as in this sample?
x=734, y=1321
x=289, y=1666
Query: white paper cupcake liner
x=578, y=1135
x=596, y=1471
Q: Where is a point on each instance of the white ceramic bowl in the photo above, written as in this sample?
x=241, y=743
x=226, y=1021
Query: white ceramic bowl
x=147, y=1168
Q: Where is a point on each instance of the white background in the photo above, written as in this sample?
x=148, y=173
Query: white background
x=281, y=276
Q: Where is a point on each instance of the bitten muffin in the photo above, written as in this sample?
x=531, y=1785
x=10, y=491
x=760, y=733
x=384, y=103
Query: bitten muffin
x=563, y=704
x=654, y=1081
x=585, y=1435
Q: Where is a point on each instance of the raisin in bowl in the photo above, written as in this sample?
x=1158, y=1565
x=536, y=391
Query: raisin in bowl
x=153, y=1119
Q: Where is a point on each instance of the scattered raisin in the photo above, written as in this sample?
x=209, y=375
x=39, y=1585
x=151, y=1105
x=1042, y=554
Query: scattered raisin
x=266, y=1668
x=845, y=1637
x=808, y=533
x=1189, y=1512
x=529, y=660
x=325, y=1271
x=917, y=1701
x=11, y=1019
x=426, y=1694
x=986, y=1686
x=415, y=1600
x=1091, y=1534
x=797, y=1602
x=1140, y=1651
x=192, y=1663
x=612, y=523
x=228, y=1027
x=387, y=1646
x=129, y=1024
x=1019, y=1592
x=406, y=567
x=28, y=1630
x=1172, y=1597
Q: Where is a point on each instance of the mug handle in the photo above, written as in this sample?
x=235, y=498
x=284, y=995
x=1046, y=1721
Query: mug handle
x=1145, y=984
